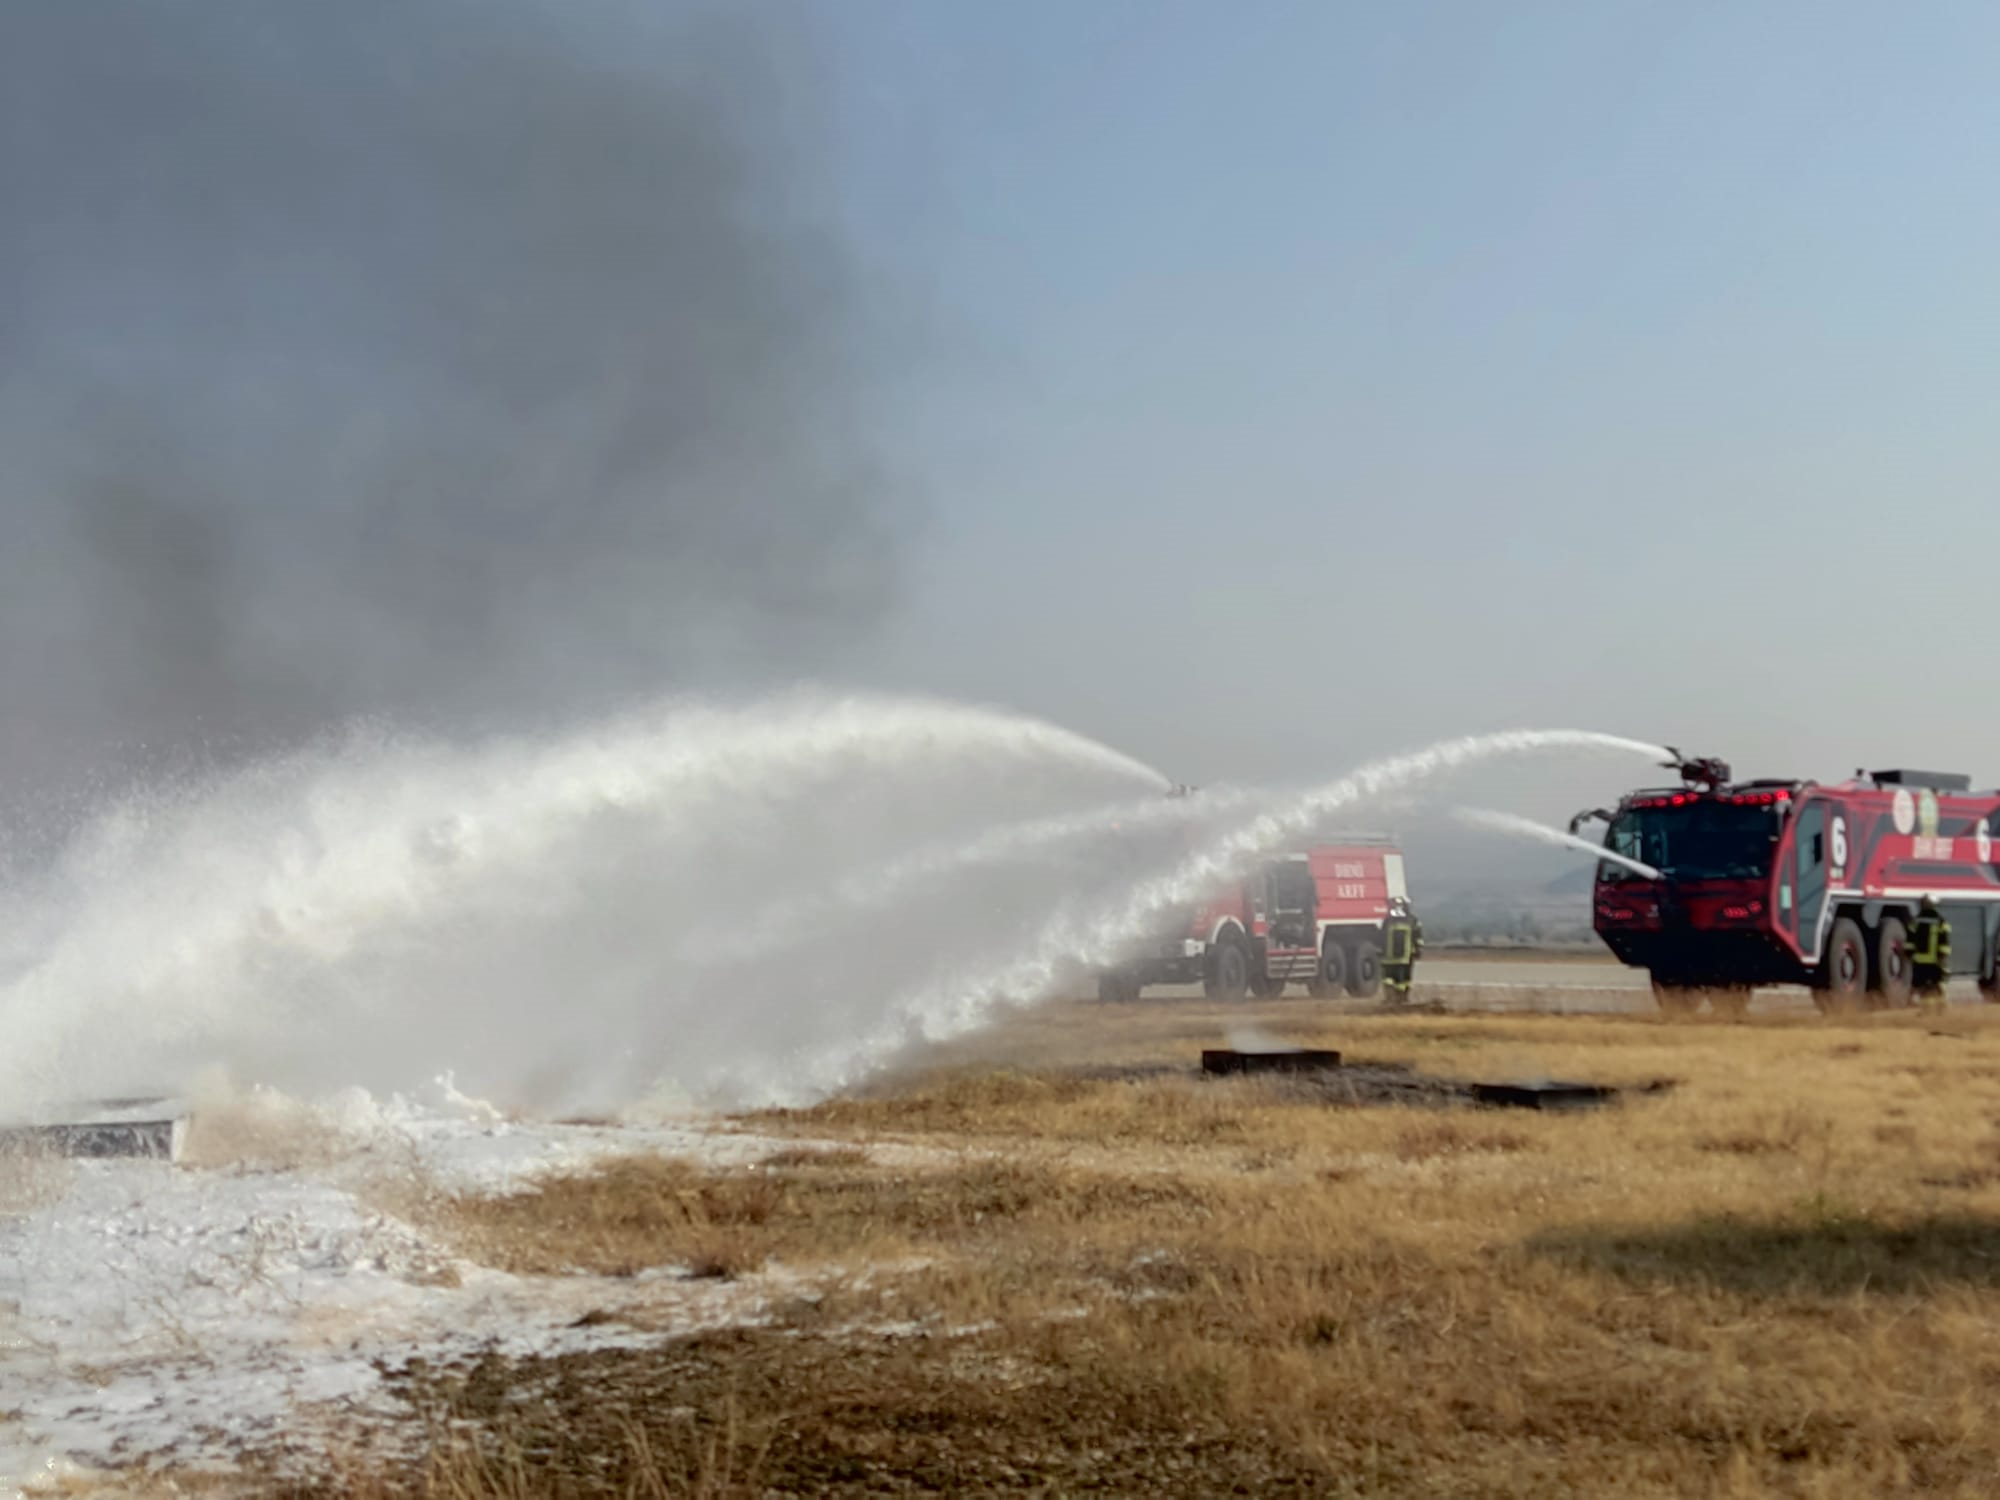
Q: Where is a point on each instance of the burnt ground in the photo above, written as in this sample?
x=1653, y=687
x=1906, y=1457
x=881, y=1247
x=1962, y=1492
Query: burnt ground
x=832, y=1417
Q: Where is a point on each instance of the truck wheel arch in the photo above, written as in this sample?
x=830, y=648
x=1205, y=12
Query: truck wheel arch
x=1228, y=928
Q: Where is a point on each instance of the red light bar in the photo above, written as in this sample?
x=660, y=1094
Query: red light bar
x=1730, y=799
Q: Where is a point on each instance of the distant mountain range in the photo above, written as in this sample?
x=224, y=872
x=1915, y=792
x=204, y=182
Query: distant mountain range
x=1474, y=883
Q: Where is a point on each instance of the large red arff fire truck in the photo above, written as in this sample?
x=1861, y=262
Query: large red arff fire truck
x=1314, y=917
x=1792, y=882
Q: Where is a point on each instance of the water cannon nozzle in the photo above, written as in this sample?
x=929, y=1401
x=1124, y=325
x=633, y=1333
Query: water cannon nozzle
x=1710, y=771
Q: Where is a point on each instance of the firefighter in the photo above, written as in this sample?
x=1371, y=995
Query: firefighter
x=1930, y=953
x=1402, y=946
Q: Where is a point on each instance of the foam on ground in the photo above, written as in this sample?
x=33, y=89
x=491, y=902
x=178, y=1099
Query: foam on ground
x=177, y=1314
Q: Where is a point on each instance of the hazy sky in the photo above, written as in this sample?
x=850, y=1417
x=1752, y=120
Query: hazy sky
x=1299, y=380
x=1258, y=386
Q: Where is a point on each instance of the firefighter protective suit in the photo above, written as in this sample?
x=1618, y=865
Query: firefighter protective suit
x=1930, y=952
x=1402, y=946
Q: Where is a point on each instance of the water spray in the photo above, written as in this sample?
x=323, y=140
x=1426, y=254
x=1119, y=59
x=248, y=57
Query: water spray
x=346, y=900
x=1041, y=839
x=1103, y=931
x=1503, y=822
x=573, y=922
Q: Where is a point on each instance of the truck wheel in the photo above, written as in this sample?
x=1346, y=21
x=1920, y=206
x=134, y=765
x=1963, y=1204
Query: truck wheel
x=1332, y=976
x=1895, y=977
x=1842, y=981
x=1267, y=986
x=1364, y=970
x=1228, y=976
x=1114, y=988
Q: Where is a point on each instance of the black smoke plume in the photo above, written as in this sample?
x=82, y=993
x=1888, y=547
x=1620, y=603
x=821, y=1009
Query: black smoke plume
x=457, y=361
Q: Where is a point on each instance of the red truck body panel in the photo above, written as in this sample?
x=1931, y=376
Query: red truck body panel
x=1864, y=848
x=1314, y=917
x=1356, y=881
x=1353, y=884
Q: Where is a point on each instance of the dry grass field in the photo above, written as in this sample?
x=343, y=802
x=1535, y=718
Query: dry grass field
x=1090, y=1270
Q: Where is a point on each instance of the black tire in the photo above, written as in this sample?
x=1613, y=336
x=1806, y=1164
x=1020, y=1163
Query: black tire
x=1841, y=985
x=1228, y=972
x=1895, y=978
x=1116, y=988
x=1332, y=976
x=1267, y=986
x=1364, y=970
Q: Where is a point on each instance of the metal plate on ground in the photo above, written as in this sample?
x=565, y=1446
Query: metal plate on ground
x=1544, y=1095
x=1225, y=1060
x=148, y=1129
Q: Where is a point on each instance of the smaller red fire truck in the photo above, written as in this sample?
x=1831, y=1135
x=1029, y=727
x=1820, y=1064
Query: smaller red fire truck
x=1313, y=917
x=1792, y=882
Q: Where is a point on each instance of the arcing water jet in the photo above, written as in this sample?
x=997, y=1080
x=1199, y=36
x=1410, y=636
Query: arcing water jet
x=1038, y=840
x=1502, y=822
x=568, y=924
x=1091, y=933
x=379, y=911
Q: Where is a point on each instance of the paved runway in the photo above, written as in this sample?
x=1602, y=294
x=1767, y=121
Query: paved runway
x=1503, y=982
x=1584, y=984
x=1482, y=982
x=1455, y=971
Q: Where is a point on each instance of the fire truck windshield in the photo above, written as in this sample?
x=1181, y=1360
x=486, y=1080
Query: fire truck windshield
x=1696, y=841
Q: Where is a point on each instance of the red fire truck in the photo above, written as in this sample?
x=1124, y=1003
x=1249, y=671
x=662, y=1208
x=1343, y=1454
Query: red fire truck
x=1791, y=882
x=1313, y=917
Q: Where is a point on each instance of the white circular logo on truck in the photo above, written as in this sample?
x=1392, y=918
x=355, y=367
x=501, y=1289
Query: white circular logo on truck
x=1840, y=843
x=1904, y=810
x=1982, y=838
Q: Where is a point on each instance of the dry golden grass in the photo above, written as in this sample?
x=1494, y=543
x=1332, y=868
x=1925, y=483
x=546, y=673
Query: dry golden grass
x=640, y=1212
x=1780, y=1277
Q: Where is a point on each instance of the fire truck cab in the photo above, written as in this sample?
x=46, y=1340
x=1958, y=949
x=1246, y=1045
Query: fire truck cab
x=1314, y=916
x=1740, y=884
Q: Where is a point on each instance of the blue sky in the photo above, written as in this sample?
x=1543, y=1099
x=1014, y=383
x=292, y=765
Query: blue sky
x=1291, y=382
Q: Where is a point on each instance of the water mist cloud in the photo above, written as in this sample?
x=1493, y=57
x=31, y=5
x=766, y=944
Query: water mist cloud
x=443, y=360
x=1502, y=822
x=554, y=919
